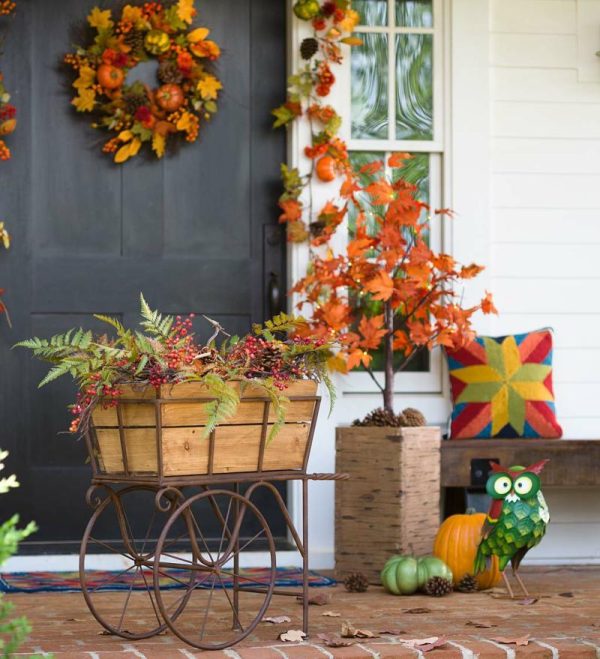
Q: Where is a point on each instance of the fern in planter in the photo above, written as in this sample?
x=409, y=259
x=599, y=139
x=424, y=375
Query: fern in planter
x=166, y=352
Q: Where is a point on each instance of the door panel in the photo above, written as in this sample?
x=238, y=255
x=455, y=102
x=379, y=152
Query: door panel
x=196, y=231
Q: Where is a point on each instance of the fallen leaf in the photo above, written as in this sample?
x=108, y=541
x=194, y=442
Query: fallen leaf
x=334, y=641
x=320, y=599
x=419, y=609
x=331, y=614
x=392, y=632
x=566, y=594
x=277, y=620
x=480, y=624
x=424, y=644
x=292, y=636
x=528, y=601
x=520, y=640
x=348, y=631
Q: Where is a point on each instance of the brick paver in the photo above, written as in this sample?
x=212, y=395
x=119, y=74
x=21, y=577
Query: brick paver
x=558, y=625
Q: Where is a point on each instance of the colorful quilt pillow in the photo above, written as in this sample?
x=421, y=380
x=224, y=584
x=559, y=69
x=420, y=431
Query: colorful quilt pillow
x=502, y=387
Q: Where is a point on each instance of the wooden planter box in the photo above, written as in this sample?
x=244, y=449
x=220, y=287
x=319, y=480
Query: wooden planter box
x=160, y=432
x=391, y=503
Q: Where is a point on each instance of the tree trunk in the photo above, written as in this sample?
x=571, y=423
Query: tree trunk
x=388, y=389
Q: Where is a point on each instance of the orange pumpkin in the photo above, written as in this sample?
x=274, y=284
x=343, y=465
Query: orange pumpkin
x=170, y=97
x=326, y=169
x=456, y=544
x=110, y=77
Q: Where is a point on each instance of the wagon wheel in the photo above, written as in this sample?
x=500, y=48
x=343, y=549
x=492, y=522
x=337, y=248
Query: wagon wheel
x=220, y=608
x=123, y=601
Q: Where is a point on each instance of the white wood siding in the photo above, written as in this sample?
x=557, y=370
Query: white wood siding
x=545, y=219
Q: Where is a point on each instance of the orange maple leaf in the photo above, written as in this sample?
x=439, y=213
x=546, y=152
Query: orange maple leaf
x=292, y=210
x=487, y=304
x=470, y=271
x=371, y=329
x=402, y=342
x=398, y=159
x=420, y=333
x=335, y=314
x=357, y=357
x=382, y=286
x=371, y=167
x=381, y=192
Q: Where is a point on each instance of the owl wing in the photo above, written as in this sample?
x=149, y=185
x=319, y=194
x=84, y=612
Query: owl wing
x=483, y=555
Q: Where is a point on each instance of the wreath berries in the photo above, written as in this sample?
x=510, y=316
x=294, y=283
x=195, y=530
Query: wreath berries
x=137, y=114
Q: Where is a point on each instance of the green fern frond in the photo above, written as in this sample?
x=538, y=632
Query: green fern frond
x=225, y=404
x=115, y=322
x=154, y=322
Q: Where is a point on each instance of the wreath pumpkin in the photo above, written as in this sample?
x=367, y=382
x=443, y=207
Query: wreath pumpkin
x=137, y=114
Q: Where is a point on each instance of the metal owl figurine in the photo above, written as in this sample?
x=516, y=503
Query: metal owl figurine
x=516, y=521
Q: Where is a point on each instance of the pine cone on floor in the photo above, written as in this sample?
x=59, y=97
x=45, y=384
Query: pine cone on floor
x=135, y=40
x=413, y=417
x=380, y=418
x=468, y=584
x=169, y=73
x=438, y=587
x=308, y=47
x=356, y=582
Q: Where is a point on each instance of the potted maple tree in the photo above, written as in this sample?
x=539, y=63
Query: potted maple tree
x=387, y=295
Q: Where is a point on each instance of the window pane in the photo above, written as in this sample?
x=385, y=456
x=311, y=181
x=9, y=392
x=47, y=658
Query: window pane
x=414, y=87
x=414, y=13
x=369, y=87
x=371, y=12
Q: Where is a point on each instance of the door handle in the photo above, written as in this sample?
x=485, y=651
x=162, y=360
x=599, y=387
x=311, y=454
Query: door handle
x=274, y=294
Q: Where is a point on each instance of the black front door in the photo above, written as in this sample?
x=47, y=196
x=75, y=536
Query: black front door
x=195, y=232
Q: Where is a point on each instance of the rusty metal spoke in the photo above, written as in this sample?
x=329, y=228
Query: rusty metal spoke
x=113, y=578
x=233, y=608
x=120, y=625
x=261, y=532
x=212, y=590
x=149, y=591
x=114, y=550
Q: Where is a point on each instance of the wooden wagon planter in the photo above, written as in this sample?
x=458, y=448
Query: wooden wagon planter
x=185, y=549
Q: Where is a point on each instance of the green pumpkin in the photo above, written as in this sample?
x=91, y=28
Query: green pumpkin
x=157, y=42
x=404, y=575
x=306, y=10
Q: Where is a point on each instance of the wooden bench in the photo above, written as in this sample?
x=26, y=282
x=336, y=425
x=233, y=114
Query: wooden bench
x=465, y=464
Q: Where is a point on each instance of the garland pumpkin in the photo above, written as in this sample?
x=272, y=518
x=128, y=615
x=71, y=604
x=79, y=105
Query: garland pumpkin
x=404, y=575
x=134, y=112
x=456, y=544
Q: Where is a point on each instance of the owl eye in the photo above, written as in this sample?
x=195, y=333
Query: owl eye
x=502, y=485
x=523, y=485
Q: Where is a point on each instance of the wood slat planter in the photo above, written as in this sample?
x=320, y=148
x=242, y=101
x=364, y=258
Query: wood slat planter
x=160, y=432
x=391, y=503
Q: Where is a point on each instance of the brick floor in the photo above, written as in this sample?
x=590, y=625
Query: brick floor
x=558, y=625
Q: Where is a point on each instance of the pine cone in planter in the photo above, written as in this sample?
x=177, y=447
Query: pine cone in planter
x=356, y=582
x=380, y=418
x=468, y=584
x=438, y=587
x=413, y=417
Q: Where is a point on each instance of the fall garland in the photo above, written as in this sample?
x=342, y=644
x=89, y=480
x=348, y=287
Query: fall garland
x=136, y=113
x=332, y=23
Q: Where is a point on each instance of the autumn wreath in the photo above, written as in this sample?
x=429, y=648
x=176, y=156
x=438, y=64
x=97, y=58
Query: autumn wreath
x=136, y=113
